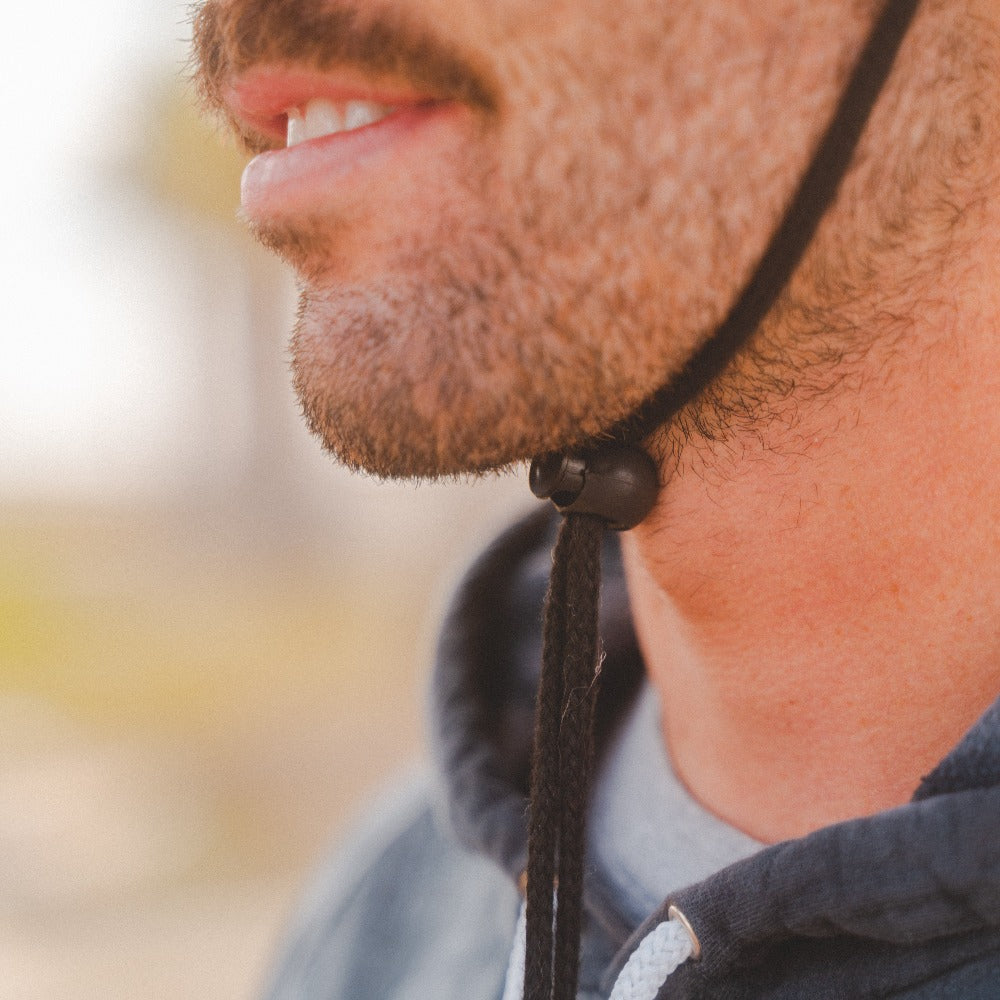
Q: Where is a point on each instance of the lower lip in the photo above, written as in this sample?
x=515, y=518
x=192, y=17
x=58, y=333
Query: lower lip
x=316, y=174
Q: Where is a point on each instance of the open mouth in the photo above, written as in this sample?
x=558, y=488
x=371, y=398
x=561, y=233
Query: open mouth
x=321, y=117
x=327, y=133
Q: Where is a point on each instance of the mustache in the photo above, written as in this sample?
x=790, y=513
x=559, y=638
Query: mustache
x=231, y=37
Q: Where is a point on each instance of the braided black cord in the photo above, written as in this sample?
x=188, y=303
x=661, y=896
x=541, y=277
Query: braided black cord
x=561, y=766
x=576, y=739
x=543, y=822
x=562, y=762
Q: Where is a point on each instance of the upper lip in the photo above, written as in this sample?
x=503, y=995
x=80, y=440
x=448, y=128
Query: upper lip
x=259, y=100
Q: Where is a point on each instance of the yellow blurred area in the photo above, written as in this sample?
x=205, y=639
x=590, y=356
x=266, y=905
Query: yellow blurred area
x=187, y=135
x=189, y=720
x=184, y=729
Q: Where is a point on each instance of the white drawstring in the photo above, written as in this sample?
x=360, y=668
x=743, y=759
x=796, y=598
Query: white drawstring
x=665, y=947
x=660, y=952
x=514, y=987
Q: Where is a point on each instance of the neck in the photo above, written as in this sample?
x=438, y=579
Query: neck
x=817, y=594
x=823, y=627
x=817, y=647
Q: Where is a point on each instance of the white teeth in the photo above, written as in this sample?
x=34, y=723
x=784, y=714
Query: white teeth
x=322, y=117
x=296, y=127
x=358, y=114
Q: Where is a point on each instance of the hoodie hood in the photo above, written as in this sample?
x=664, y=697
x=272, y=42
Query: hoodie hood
x=870, y=907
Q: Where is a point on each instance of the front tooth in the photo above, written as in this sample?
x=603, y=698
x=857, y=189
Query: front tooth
x=322, y=118
x=358, y=114
x=296, y=127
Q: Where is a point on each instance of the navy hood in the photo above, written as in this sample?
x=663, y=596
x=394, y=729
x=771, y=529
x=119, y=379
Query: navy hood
x=905, y=903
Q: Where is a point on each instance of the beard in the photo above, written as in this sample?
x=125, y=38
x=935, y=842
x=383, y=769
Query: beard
x=608, y=211
x=582, y=238
x=584, y=248
x=528, y=308
x=532, y=314
x=474, y=356
x=588, y=237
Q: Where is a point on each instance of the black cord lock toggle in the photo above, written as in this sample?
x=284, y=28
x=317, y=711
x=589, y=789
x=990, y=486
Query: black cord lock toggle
x=618, y=483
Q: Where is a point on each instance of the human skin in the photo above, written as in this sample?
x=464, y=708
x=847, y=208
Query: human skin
x=817, y=594
x=522, y=278
x=817, y=591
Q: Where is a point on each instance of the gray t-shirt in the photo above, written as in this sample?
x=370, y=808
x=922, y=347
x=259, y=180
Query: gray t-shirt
x=646, y=833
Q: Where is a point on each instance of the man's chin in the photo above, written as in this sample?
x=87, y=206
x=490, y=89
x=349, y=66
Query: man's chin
x=379, y=407
x=411, y=458
x=396, y=429
x=469, y=359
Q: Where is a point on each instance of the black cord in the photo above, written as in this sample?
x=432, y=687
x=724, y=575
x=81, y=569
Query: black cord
x=565, y=710
x=581, y=664
x=815, y=194
x=560, y=781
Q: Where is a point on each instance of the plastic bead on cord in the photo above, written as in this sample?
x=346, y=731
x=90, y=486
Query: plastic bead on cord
x=618, y=483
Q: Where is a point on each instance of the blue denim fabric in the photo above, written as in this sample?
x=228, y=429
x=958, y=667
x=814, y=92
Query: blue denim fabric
x=400, y=913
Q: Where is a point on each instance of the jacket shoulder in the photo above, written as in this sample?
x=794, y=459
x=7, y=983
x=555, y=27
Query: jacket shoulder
x=400, y=912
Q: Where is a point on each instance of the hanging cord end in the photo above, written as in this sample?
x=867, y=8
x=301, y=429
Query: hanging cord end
x=618, y=483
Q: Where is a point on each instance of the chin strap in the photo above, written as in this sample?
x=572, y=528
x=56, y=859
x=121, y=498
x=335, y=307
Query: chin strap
x=614, y=485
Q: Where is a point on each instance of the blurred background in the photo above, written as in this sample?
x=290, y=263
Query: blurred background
x=213, y=643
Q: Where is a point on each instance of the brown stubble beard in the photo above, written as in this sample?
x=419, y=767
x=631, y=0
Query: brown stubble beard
x=466, y=358
x=518, y=324
x=901, y=231
x=545, y=315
